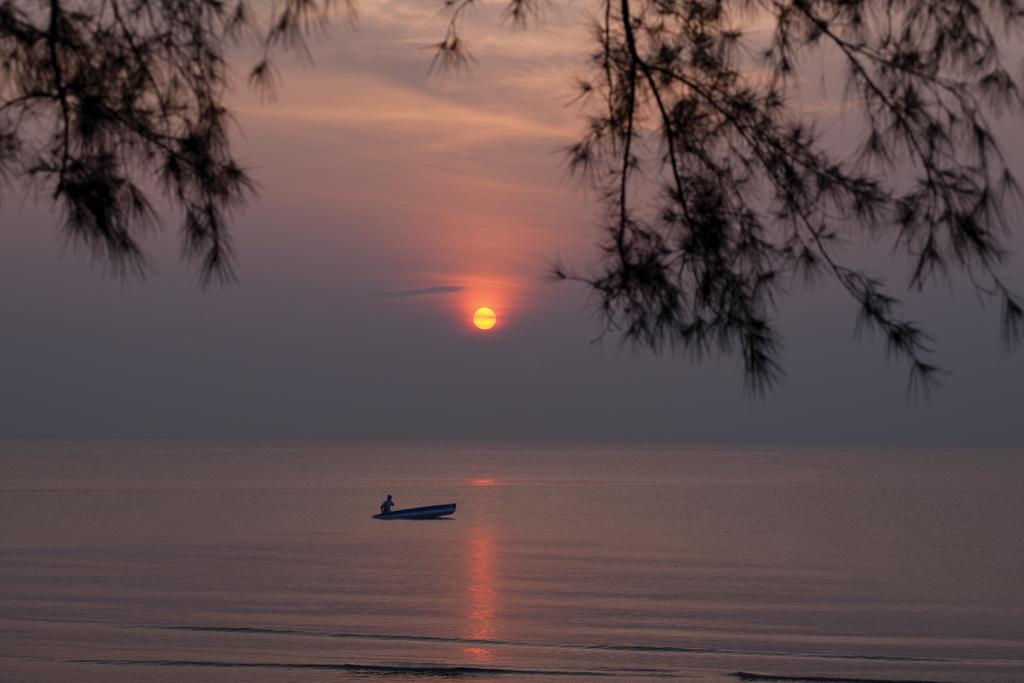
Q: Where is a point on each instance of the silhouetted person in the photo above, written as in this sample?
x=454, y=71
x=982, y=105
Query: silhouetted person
x=386, y=506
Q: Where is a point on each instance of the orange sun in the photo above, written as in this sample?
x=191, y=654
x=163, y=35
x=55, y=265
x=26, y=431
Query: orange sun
x=484, y=318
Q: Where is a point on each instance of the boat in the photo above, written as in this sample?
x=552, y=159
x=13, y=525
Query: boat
x=428, y=512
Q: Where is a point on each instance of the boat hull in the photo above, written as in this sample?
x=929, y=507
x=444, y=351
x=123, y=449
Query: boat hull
x=428, y=512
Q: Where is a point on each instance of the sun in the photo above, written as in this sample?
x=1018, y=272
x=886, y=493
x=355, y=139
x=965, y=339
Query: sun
x=484, y=318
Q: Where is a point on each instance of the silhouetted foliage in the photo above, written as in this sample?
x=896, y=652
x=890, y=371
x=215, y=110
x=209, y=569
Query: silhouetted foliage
x=751, y=201
x=720, y=192
x=104, y=101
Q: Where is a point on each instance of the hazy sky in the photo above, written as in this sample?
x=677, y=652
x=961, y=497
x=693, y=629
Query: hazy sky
x=391, y=206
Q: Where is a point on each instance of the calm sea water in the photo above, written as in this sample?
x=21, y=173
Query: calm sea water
x=167, y=562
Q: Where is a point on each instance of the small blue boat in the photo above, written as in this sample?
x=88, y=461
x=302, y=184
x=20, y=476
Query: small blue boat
x=428, y=512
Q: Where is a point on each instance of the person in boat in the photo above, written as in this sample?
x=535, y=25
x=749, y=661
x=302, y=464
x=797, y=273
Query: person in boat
x=386, y=506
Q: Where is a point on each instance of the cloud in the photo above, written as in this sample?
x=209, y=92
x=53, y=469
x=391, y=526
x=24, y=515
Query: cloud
x=423, y=291
x=426, y=120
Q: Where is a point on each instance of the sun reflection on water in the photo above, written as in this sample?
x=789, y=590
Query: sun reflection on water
x=481, y=594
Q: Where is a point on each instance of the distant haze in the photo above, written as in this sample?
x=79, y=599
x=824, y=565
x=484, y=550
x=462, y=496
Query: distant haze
x=392, y=205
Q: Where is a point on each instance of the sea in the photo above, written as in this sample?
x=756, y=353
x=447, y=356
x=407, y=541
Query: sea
x=180, y=561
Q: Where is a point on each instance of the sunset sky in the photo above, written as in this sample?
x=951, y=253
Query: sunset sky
x=392, y=205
